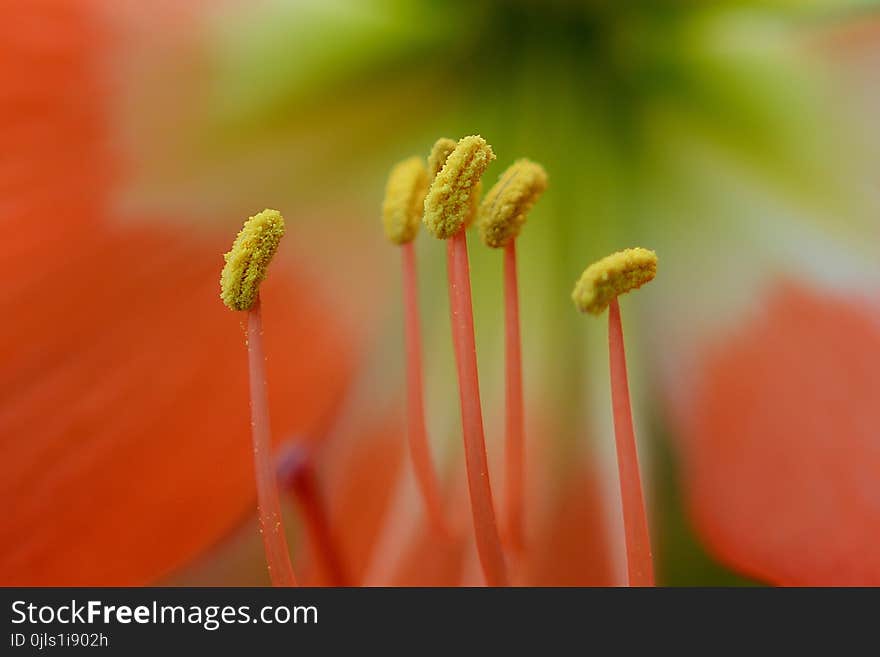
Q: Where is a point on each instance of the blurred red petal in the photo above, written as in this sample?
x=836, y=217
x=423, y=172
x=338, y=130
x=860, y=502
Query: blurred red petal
x=360, y=483
x=567, y=543
x=430, y=561
x=783, y=449
x=382, y=539
x=569, y=547
x=124, y=418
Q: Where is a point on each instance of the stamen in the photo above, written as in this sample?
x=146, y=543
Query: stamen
x=448, y=204
x=502, y=215
x=622, y=272
x=513, y=403
x=612, y=276
x=247, y=261
x=419, y=447
x=296, y=472
x=245, y=269
x=446, y=208
x=474, y=209
x=505, y=208
x=404, y=199
x=440, y=152
x=482, y=505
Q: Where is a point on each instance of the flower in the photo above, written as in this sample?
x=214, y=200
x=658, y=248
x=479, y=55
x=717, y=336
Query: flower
x=133, y=149
x=673, y=129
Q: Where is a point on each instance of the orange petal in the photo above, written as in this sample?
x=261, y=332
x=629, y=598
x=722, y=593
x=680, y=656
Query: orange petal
x=566, y=546
x=123, y=387
x=783, y=449
x=569, y=546
x=124, y=420
x=359, y=481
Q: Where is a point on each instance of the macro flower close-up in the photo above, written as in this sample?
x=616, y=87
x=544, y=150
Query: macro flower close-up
x=394, y=293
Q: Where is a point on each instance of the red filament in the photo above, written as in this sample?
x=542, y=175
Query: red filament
x=485, y=527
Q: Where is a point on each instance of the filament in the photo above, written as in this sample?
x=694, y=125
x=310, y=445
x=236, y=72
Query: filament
x=418, y=441
x=640, y=567
x=482, y=507
x=274, y=539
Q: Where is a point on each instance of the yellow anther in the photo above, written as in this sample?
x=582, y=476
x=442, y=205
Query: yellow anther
x=612, y=276
x=440, y=152
x=449, y=199
x=504, y=210
x=474, y=209
x=404, y=200
x=247, y=261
